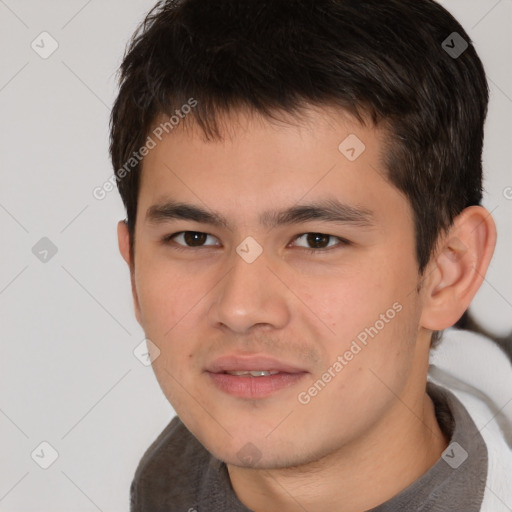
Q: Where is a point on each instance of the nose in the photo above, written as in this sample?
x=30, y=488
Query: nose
x=250, y=294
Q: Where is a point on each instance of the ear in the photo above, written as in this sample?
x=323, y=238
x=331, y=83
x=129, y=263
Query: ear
x=458, y=268
x=123, y=239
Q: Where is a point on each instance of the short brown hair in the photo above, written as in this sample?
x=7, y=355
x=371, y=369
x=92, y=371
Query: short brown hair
x=384, y=60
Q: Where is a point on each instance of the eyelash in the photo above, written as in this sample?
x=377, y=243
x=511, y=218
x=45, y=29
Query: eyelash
x=342, y=242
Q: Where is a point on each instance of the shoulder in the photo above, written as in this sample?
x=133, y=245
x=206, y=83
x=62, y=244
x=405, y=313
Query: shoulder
x=168, y=475
x=479, y=374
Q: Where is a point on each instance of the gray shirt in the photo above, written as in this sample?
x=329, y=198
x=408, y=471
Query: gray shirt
x=177, y=474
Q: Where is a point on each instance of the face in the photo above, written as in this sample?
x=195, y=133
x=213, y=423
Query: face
x=281, y=251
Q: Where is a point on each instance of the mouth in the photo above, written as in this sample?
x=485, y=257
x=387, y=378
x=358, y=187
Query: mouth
x=253, y=377
x=252, y=373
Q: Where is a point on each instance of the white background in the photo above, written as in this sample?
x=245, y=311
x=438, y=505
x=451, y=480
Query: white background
x=68, y=375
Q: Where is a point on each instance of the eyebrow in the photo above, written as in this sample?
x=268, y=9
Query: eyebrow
x=327, y=210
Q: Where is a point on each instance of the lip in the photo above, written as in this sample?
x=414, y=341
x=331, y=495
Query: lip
x=245, y=362
x=253, y=387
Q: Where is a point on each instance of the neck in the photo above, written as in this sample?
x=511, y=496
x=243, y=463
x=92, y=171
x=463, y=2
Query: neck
x=356, y=477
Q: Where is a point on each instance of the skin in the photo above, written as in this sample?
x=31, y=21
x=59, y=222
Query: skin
x=371, y=431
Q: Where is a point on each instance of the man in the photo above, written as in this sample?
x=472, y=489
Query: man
x=302, y=182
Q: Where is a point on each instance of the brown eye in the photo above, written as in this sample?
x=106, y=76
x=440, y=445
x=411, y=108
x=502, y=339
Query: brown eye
x=192, y=239
x=319, y=241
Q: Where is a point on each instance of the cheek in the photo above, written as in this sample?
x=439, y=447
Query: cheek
x=165, y=294
x=171, y=304
x=369, y=363
x=351, y=300
x=167, y=301
x=372, y=313
x=156, y=300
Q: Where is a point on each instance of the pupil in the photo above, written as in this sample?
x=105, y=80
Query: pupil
x=318, y=240
x=194, y=238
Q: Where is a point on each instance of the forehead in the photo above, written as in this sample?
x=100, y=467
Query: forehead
x=259, y=163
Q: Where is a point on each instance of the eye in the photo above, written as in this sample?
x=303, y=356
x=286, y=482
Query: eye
x=319, y=241
x=191, y=239
x=313, y=242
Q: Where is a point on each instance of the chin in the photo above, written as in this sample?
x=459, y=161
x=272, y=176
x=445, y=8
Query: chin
x=253, y=451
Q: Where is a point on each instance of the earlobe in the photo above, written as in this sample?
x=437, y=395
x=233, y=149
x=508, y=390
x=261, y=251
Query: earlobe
x=458, y=268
